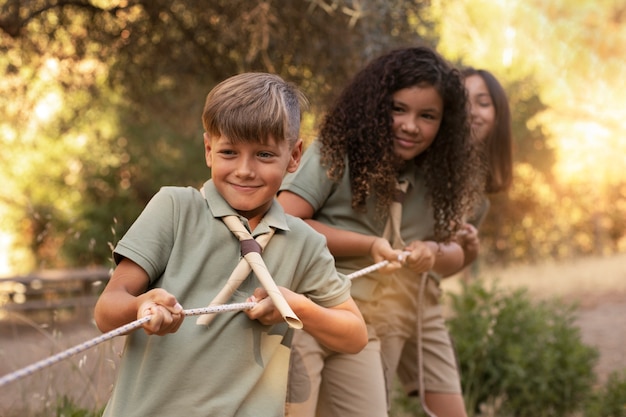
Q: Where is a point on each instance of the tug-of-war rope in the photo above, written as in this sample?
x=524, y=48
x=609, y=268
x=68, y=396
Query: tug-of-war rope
x=44, y=363
x=133, y=325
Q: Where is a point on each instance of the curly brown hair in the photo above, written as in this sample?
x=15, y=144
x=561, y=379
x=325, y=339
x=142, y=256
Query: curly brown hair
x=358, y=130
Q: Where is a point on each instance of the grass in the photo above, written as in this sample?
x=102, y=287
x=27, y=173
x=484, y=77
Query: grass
x=84, y=379
x=586, y=281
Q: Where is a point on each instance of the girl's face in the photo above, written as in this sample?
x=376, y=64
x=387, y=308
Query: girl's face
x=417, y=112
x=482, y=110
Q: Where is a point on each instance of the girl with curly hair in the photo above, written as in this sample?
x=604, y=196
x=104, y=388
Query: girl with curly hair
x=490, y=118
x=402, y=119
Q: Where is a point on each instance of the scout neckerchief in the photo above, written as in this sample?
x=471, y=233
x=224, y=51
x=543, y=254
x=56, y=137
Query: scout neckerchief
x=239, y=274
x=252, y=260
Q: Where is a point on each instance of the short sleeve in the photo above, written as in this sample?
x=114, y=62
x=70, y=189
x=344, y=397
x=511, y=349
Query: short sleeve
x=149, y=241
x=310, y=180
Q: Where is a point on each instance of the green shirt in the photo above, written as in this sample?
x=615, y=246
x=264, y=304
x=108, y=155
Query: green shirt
x=235, y=366
x=331, y=202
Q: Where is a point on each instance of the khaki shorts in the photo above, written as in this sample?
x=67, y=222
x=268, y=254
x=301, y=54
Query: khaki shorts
x=330, y=384
x=394, y=316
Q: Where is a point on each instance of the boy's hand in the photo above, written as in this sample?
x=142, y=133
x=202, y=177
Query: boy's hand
x=167, y=313
x=265, y=311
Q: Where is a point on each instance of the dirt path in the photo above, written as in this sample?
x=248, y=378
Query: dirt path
x=604, y=326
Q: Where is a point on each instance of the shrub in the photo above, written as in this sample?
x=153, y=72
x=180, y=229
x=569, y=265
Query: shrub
x=520, y=357
x=610, y=400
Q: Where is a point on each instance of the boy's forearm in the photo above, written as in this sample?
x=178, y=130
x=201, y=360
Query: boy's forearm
x=115, y=309
x=340, y=328
x=118, y=303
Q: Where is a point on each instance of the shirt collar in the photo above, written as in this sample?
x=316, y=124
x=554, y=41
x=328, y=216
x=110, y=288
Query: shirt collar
x=274, y=218
x=409, y=174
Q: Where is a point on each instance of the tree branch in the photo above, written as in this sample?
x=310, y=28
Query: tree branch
x=12, y=24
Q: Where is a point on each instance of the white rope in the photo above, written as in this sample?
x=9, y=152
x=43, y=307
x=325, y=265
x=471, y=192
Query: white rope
x=44, y=363
x=29, y=370
x=375, y=266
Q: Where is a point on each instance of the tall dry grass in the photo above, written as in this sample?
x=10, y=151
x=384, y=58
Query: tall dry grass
x=86, y=378
x=586, y=281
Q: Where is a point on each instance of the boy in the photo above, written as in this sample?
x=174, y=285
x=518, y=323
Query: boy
x=179, y=251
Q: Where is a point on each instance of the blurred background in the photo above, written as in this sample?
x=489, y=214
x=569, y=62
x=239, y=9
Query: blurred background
x=100, y=105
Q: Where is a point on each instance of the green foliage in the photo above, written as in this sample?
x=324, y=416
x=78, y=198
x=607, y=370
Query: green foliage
x=101, y=100
x=66, y=408
x=531, y=144
x=156, y=49
x=403, y=405
x=610, y=400
x=522, y=357
x=101, y=104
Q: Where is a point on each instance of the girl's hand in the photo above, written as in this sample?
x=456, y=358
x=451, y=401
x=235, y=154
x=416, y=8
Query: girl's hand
x=421, y=257
x=381, y=250
x=167, y=313
x=467, y=237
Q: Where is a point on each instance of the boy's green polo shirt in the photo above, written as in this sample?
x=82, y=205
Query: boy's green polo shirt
x=235, y=366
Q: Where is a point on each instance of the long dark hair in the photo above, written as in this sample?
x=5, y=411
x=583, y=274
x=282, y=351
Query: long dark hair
x=498, y=146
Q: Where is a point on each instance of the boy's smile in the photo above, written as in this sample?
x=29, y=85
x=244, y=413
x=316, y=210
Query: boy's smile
x=248, y=174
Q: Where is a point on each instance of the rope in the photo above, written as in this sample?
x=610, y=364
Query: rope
x=29, y=370
x=420, y=345
x=44, y=363
x=375, y=266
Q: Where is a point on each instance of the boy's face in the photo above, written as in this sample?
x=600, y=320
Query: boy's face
x=248, y=175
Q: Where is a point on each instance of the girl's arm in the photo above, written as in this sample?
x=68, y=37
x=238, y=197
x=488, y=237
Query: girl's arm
x=124, y=300
x=340, y=242
x=469, y=241
x=443, y=258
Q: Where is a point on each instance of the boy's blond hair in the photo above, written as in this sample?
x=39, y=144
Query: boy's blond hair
x=252, y=107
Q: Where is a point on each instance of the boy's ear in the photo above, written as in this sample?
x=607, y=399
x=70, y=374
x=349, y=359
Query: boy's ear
x=296, y=155
x=207, y=149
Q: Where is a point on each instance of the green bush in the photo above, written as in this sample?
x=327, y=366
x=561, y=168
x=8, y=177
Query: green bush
x=519, y=357
x=610, y=400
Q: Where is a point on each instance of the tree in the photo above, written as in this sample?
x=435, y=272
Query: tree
x=113, y=92
x=560, y=64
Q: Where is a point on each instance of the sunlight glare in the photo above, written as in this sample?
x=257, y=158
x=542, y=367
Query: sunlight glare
x=5, y=248
x=584, y=153
x=48, y=106
x=507, y=53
